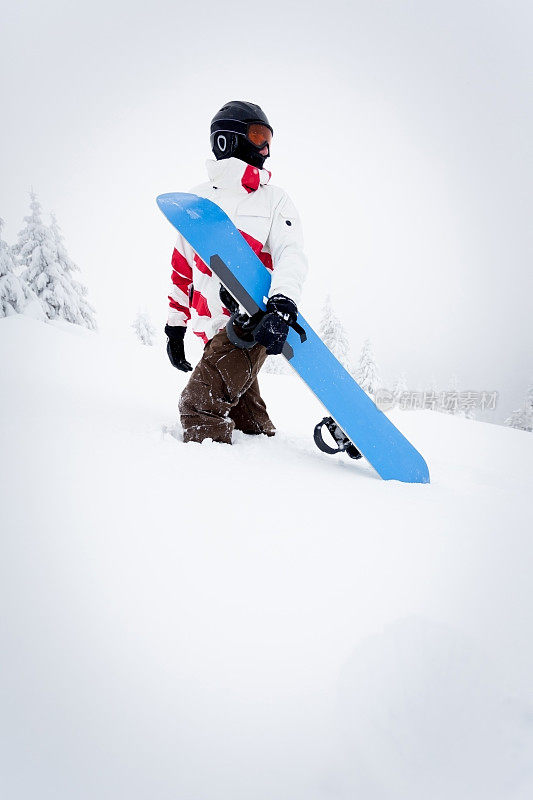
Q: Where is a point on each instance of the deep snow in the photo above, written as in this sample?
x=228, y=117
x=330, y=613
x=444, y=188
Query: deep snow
x=262, y=621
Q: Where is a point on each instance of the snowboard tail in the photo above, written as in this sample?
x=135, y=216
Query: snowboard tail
x=217, y=241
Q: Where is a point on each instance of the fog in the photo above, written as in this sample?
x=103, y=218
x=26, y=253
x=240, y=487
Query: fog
x=403, y=132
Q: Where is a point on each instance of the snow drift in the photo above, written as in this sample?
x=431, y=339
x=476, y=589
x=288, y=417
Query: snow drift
x=261, y=621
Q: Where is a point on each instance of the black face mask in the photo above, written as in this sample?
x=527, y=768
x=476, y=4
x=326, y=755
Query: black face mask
x=238, y=147
x=248, y=152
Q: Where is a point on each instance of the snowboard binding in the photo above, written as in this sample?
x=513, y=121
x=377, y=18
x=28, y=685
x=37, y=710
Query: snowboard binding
x=344, y=445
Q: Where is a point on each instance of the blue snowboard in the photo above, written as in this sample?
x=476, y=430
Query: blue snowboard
x=217, y=241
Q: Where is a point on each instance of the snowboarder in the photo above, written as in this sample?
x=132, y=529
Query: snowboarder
x=223, y=391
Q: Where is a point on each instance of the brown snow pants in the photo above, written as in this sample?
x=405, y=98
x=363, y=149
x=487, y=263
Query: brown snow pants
x=223, y=394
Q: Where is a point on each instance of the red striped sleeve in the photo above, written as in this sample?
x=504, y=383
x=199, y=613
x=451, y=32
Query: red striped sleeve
x=181, y=265
x=181, y=283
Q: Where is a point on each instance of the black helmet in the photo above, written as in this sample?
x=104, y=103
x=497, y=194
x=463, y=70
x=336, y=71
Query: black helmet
x=231, y=128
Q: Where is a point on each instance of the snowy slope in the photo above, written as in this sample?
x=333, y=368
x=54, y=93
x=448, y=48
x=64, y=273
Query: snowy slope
x=262, y=621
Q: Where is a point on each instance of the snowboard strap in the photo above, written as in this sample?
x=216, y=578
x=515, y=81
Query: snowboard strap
x=299, y=330
x=242, y=337
x=344, y=445
x=246, y=325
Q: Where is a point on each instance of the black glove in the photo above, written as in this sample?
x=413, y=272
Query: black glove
x=273, y=329
x=175, y=347
x=284, y=306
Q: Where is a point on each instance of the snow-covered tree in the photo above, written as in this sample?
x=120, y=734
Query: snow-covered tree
x=35, y=250
x=529, y=397
x=277, y=365
x=449, y=398
x=522, y=419
x=468, y=404
x=143, y=327
x=14, y=293
x=48, y=270
x=333, y=334
x=76, y=308
x=367, y=374
x=399, y=387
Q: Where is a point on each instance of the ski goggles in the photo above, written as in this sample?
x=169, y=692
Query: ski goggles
x=259, y=135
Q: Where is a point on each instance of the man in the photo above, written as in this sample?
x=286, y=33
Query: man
x=223, y=392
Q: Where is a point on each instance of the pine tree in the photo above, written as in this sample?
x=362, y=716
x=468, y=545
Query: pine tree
x=400, y=385
x=14, y=293
x=522, y=419
x=333, y=334
x=367, y=374
x=144, y=329
x=48, y=270
x=276, y=365
x=467, y=405
x=35, y=251
x=399, y=388
x=449, y=399
x=77, y=310
x=529, y=397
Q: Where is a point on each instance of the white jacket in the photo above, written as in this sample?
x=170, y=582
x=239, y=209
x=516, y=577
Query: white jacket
x=268, y=220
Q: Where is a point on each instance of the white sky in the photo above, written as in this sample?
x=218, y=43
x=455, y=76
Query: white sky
x=403, y=131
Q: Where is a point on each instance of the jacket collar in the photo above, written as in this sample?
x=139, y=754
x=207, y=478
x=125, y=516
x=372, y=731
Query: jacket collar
x=231, y=172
